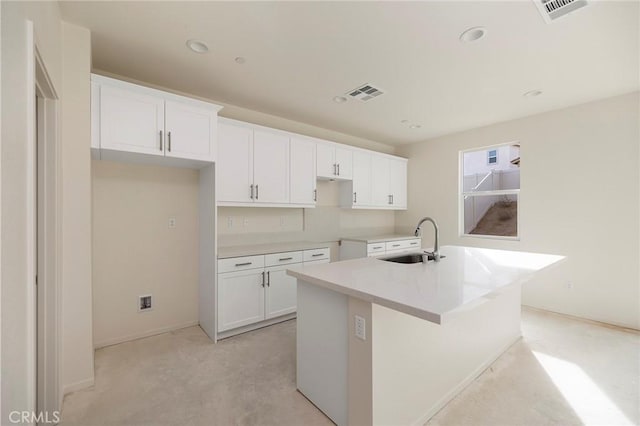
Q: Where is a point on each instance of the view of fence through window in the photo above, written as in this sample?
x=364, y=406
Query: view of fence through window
x=490, y=191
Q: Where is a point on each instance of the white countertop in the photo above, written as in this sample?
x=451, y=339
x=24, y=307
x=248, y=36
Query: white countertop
x=254, y=249
x=429, y=291
x=379, y=238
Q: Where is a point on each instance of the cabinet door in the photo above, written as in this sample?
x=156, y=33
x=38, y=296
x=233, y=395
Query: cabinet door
x=325, y=161
x=344, y=160
x=380, y=181
x=271, y=167
x=234, y=163
x=131, y=121
x=362, y=193
x=302, y=171
x=281, y=294
x=398, y=183
x=240, y=298
x=191, y=131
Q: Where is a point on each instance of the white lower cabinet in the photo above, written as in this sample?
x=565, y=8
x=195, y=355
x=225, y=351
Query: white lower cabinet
x=378, y=247
x=240, y=298
x=280, y=294
x=254, y=291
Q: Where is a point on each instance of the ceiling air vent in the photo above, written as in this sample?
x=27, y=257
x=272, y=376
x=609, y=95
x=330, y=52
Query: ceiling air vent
x=554, y=9
x=365, y=92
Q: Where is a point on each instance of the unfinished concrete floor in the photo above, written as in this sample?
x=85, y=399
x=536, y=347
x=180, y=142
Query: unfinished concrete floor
x=563, y=372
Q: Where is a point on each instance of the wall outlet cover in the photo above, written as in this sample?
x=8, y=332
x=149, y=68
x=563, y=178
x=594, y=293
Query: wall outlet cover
x=361, y=327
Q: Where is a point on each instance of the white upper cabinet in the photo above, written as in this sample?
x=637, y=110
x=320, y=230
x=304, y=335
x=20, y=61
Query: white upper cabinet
x=398, y=183
x=132, y=122
x=333, y=162
x=270, y=167
x=302, y=171
x=253, y=165
x=191, y=131
x=379, y=182
x=234, y=181
x=362, y=174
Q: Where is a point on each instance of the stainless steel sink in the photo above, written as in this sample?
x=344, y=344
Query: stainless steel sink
x=410, y=258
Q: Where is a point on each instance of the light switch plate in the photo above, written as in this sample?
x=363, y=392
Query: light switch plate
x=361, y=328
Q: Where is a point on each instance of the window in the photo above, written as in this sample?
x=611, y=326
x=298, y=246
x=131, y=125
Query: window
x=492, y=156
x=490, y=191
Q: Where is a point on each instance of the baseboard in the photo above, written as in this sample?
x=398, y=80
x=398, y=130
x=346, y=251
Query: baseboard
x=149, y=333
x=251, y=327
x=74, y=387
x=463, y=384
x=602, y=323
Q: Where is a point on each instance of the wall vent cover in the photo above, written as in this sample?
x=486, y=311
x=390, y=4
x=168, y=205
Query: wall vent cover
x=365, y=93
x=554, y=9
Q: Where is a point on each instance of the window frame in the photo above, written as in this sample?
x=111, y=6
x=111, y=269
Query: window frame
x=462, y=194
x=489, y=157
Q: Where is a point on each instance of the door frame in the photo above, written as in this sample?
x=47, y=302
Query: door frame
x=43, y=233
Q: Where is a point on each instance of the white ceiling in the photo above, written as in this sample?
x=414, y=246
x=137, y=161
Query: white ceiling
x=299, y=55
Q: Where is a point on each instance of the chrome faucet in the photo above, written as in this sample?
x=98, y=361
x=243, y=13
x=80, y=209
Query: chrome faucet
x=435, y=255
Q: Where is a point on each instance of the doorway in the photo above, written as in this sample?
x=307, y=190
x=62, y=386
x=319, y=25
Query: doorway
x=46, y=243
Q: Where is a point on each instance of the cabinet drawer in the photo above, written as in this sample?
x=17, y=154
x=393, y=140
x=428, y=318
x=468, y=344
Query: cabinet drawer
x=317, y=254
x=403, y=244
x=240, y=263
x=284, y=258
x=375, y=248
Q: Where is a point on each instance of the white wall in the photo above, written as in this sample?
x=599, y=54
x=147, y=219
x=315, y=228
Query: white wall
x=65, y=52
x=18, y=391
x=579, y=198
x=136, y=253
x=77, y=367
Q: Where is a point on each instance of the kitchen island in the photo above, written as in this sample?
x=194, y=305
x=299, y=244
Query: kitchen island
x=387, y=343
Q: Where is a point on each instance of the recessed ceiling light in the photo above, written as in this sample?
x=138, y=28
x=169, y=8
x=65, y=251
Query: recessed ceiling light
x=197, y=46
x=339, y=99
x=240, y=60
x=473, y=34
x=415, y=126
x=532, y=93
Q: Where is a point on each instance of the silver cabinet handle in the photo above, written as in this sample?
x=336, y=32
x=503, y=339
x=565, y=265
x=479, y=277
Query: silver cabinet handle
x=390, y=202
x=391, y=198
x=414, y=243
x=285, y=258
x=334, y=169
x=257, y=192
x=315, y=195
x=161, y=141
x=355, y=197
x=169, y=141
x=244, y=264
x=263, y=278
x=395, y=245
x=377, y=248
x=251, y=186
x=338, y=169
x=317, y=254
x=269, y=278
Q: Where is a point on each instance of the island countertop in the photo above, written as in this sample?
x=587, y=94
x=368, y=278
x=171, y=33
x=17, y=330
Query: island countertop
x=466, y=276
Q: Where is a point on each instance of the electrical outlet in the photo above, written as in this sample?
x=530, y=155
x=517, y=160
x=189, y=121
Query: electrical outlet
x=230, y=222
x=144, y=303
x=569, y=285
x=361, y=328
x=172, y=222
